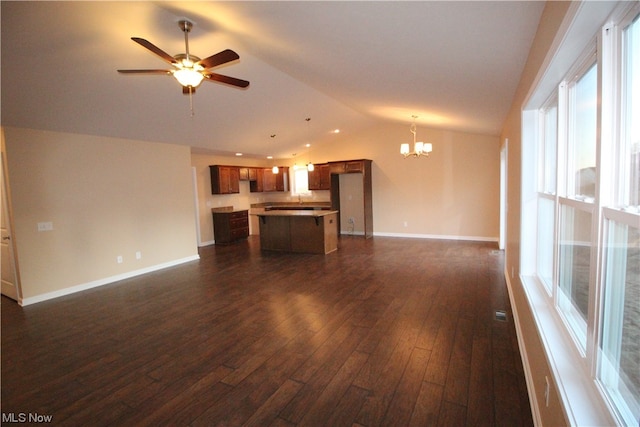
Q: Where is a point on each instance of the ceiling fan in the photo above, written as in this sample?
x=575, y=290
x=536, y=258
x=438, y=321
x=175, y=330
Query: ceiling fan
x=189, y=70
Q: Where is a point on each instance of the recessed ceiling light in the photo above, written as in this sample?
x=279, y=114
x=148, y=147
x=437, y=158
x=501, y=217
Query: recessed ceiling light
x=335, y=131
x=269, y=157
x=238, y=154
x=308, y=145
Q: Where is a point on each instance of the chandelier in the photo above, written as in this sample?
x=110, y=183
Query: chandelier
x=419, y=148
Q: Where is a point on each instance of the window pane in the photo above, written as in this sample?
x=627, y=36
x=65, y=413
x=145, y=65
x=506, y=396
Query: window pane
x=582, y=124
x=301, y=180
x=631, y=96
x=574, y=260
x=545, y=241
x=619, y=358
x=550, y=143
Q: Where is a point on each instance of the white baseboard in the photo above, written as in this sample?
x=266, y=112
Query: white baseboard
x=101, y=282
x=437, y=236
x=528, y=376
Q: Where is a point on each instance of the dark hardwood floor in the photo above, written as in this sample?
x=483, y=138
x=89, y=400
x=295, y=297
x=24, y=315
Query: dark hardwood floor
x=385, y=331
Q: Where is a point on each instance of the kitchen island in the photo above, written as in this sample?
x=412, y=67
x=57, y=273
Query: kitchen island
x=305, y=231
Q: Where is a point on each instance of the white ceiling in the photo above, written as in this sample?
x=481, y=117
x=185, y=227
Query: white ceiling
x=456, y=65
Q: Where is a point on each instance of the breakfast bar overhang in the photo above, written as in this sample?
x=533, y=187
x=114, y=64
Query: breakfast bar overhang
x=304, y=231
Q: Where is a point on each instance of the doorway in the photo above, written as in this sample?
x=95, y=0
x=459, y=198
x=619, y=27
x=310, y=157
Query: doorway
x=10, y=278
x=504, y=151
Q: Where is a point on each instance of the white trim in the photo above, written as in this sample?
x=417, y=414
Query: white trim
x=581, y=400
x=437, y=236
x=528, y=375
x=581, y=17
x=101, y=282
x=196, y=202
x=207, y=243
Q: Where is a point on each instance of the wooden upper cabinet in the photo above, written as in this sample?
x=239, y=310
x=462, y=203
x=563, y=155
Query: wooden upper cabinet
x=224, y=179
x=282, y=184
x=268, y=180
x=244, y=173
x=253, y=174
x=320, y=177
x=350, y=166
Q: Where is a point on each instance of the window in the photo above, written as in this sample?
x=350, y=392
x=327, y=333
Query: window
x=630, y=151
x=549, y=146
x=547, y=156
x=574, y=267
x=618, y=357
x=619, y=351
x=300, y=182
x=575, y=220
x=582, y=124
x=546, y=232
x=581, y=219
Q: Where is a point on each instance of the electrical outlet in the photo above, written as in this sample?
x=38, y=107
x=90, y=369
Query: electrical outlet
x=406, y=224
x=138, y=255
x=119, y=259
x=352, y=220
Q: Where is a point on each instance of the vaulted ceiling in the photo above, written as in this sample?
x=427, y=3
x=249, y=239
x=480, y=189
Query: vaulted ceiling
x=345, y=65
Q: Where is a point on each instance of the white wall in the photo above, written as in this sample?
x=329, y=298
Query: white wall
x=105, y=198
x=453, y=194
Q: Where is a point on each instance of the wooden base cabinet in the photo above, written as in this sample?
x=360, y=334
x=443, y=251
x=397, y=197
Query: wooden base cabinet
x=314, y=232
x=230, y=226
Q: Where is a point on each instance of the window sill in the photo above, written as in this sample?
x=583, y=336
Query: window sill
x=582, y=402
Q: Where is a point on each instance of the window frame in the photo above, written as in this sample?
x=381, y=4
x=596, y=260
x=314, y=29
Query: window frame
x=574, y=367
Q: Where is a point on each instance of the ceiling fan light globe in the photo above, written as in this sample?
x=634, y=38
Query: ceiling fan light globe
x=188, y=77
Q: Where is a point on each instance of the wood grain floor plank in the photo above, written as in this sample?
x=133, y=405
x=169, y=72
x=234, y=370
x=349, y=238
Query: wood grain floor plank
x=426, y=411
x=326, y=403
x=363, y=336
x=406, y=394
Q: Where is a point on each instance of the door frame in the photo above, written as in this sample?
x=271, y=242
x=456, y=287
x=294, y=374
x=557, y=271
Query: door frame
x=7, y=211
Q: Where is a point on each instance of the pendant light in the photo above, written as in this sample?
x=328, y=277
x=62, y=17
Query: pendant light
x=310, y=166
x=275, y=168
x=419, y=148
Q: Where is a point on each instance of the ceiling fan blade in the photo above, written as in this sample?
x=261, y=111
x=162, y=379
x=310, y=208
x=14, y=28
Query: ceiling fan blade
x=144, y=71
x=226, y=79
x=218, y=59
x=155, y=49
